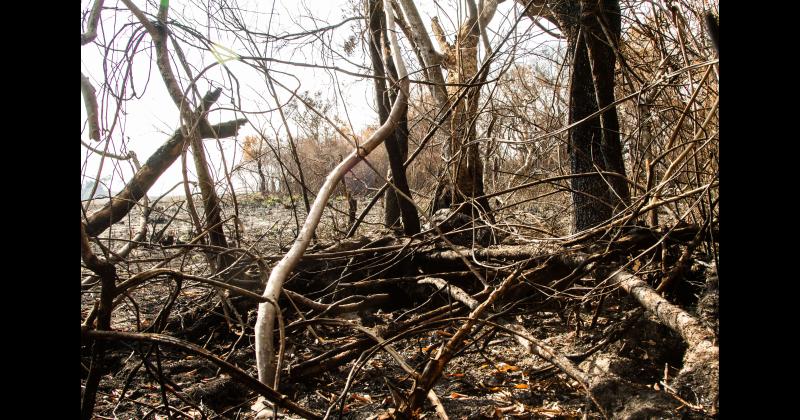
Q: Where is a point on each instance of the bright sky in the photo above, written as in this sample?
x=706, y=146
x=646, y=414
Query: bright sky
x=151, y=119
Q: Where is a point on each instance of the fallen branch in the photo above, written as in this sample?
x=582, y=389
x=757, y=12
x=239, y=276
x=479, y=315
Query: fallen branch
x=236, y=373
x=460, y=295
x=434, y=368
x=340, y=307
x=454, y=291
x=701, y=360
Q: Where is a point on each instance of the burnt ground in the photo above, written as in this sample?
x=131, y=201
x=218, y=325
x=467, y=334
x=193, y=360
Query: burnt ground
x=492, y=377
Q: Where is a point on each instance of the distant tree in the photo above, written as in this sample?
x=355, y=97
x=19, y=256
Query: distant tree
x=254, y=152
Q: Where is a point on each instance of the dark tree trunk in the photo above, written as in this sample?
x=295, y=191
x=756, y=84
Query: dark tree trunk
x=395, y=205
x=601, y=22
x=262, y=182
x=595, y=144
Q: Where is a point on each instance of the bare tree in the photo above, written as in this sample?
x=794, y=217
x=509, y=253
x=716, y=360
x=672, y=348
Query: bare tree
x=463, y=169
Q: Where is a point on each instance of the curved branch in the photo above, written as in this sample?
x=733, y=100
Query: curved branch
x=266, y=312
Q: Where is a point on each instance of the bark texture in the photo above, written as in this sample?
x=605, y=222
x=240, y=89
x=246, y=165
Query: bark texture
x=395, y=205
x=592, y=30
x=464, y=166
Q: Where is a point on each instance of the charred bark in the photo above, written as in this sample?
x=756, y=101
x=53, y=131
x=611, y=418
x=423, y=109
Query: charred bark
x=594, y=145
x=712, y=24
x=108, y=280
x=395, y=205
x=602, y=28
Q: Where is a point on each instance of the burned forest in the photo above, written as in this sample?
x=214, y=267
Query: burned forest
x=399, y=209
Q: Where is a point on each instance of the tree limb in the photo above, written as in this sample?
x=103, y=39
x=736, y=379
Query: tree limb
x=141, y=182
x=94, y=18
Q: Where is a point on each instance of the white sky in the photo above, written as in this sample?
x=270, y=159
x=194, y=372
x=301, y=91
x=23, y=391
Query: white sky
x=150, y=120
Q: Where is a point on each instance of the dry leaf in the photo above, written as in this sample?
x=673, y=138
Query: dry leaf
x=365, y=398
x=521, y=386
x=499, y=411
x=504, y=367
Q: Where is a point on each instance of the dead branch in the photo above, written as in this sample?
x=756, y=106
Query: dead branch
x=702, y=356
x=141, y=182
x=90, y=102
x=94, y=18
x=340, y=307
x=434, y=368
x=240, y=375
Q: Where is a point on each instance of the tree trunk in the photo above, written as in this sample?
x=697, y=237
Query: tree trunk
x=397, y=144
x=464, y=172
x=602, y=21
x=432, y=59
x=211, y=203
x=262, y=179
x=595, y=144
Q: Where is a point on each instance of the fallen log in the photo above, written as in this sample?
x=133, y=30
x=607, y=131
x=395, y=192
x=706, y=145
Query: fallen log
x=701, y=360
